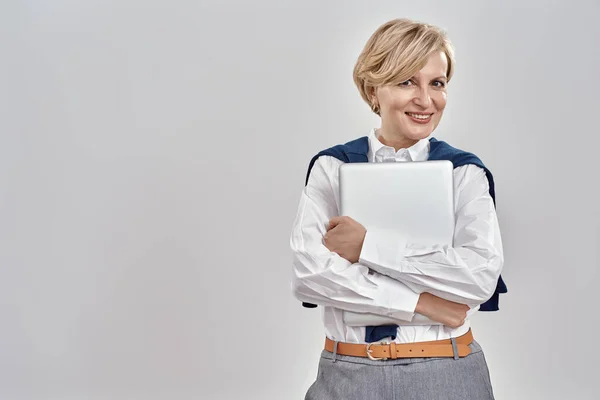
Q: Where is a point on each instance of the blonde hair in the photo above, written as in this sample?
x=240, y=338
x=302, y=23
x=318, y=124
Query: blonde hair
x=395, y=52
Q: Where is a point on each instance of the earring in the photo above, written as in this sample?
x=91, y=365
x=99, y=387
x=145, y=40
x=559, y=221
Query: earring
x=375, y=107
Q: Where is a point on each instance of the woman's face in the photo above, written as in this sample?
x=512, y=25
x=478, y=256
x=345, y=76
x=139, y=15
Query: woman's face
x=413, y=109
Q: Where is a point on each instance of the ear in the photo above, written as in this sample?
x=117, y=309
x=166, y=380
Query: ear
x=373, y=94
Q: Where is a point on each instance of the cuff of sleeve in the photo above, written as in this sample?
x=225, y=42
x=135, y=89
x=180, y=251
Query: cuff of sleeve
x=383, y=247
x=399, y=300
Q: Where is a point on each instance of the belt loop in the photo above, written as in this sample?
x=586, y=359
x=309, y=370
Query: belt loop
x=454, y=349
x=335, y=350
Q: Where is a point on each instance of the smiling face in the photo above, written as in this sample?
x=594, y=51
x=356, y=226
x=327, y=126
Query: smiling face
x=411, y=110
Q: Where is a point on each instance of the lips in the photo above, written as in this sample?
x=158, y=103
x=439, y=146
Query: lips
x=419, y=118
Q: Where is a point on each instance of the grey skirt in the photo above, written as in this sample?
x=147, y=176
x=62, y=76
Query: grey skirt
x=433, y=378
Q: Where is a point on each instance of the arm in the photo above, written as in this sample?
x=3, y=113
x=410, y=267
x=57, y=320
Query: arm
x=430, y=310
x=465, y=273
x=369, y=319
x=323, y=277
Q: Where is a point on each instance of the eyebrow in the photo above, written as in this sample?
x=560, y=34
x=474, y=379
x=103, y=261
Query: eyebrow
x=437, y=78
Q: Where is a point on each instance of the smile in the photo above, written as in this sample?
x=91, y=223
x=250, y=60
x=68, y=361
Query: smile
x=420, y=118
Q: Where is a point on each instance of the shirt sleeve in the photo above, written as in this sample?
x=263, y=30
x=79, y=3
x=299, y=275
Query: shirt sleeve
x=324, y=277
x=466, y=272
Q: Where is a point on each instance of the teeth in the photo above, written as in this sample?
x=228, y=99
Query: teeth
x=417, y=116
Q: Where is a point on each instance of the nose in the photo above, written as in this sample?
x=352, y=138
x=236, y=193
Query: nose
x=422, y=98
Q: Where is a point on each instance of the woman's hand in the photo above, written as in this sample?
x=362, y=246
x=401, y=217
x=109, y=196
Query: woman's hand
x=441, y=310
x=345, y=236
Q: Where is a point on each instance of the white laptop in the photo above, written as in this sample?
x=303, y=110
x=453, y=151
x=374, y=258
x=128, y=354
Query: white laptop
x=416, y=198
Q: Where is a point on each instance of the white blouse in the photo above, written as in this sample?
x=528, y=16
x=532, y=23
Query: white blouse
x=392, y=271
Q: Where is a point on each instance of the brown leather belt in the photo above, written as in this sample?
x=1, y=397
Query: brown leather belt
x=392, y=350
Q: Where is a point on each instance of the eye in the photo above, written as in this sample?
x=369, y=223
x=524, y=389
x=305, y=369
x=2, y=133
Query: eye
x=439, y=84
x=406, y=83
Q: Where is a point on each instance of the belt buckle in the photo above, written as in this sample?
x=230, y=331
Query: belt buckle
x=369, y=351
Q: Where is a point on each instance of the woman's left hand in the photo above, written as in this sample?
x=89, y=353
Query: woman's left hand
x=345, y=237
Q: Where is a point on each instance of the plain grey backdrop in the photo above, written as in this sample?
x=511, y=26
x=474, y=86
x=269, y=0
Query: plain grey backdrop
x=152, y=156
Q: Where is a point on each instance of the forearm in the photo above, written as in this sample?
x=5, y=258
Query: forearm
x=330, y=280
x=459, y=275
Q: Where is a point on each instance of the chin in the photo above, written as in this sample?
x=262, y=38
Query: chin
x=418, y=135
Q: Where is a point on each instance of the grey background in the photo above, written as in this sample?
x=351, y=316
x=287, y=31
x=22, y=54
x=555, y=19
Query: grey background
x=152, y=156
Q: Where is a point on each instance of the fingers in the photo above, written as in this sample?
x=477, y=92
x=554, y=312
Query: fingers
x=332, y=223
x=335, y=221
x=327, y=234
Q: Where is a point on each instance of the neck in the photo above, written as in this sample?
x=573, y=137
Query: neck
x=393, y=139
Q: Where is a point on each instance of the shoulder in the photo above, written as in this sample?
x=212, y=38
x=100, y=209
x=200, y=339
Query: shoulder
x=440, y=149
x=470, y=173
x=327, y=164
x=346, y=152
x=323, y=181
x=341, y=151
x=468, y=167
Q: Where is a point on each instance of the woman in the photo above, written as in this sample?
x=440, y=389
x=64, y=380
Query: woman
x=402, y=73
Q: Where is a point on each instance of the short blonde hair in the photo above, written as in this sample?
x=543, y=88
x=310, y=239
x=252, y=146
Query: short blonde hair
x=395, y=52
